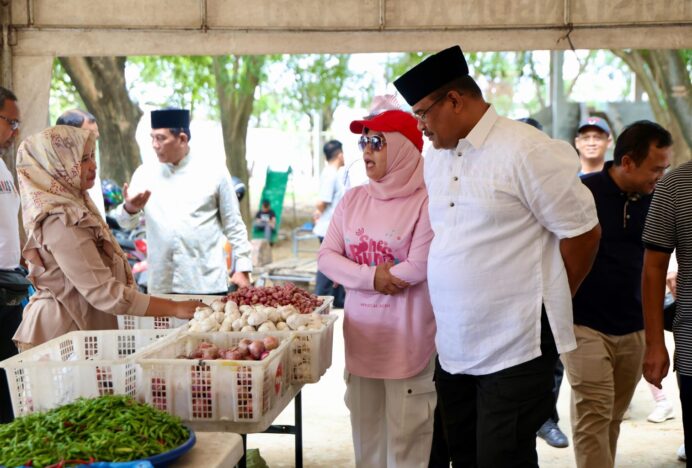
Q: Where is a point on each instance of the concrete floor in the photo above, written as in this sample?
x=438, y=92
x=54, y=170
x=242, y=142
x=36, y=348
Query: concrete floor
x=327, y=431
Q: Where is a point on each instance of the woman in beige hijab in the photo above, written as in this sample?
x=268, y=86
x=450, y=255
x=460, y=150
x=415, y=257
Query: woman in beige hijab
x=81, y=275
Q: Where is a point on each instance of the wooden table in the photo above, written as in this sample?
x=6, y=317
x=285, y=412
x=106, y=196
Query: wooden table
x=213, y=450
x=296, y=270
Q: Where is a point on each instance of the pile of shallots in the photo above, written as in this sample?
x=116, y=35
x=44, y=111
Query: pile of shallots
x=245, y=350
x=225, y=315
x=276, y=296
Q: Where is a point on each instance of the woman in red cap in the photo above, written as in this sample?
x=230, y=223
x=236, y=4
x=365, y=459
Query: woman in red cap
x=377, y=247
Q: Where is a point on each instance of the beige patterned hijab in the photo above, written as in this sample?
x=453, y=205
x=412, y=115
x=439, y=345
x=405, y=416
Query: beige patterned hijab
x=49, y=174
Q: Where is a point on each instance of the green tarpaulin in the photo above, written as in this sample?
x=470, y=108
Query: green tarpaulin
x=274, y=190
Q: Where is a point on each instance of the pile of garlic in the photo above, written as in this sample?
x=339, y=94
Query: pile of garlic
x=227, y=316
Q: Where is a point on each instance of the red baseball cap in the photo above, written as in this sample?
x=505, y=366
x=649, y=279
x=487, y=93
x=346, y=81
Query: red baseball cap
x=392, y=121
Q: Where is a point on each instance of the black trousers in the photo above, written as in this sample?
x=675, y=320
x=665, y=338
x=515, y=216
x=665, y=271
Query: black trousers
x=557, y=376
x=685, y=386
x=10, y=318
x=490, y=421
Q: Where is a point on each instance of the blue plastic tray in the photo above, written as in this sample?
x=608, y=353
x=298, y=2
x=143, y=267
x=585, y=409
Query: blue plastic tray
x=162, y=460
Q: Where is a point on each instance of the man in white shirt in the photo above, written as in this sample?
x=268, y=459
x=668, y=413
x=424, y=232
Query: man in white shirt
x=515, y=234
x=331, y=191
x=10, y=250
x=189, y=206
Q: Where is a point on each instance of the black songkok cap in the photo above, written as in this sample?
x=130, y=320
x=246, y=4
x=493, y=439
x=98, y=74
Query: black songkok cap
x=431, y=74
x=170, y=118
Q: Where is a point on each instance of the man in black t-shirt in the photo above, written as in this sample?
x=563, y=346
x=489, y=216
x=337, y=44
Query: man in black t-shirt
x=606, y=366
x=266, y=219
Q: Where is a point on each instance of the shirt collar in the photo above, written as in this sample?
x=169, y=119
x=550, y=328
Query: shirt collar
x=480, y=131
x=612, y=187
x=181, y=164
x=610, y=183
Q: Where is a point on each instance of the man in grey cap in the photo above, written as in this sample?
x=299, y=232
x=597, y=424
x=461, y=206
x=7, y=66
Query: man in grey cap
x=510, y=250
x=592, y=141
x=189, y=205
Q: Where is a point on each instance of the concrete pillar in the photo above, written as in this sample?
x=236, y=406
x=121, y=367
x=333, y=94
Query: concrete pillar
x=31, y=76
x=6, y=65
x=557, y=91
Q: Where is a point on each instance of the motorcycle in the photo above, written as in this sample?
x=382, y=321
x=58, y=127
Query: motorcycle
x=134, y=245
x=133, y=242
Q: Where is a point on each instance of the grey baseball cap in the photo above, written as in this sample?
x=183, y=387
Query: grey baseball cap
x=594, y=122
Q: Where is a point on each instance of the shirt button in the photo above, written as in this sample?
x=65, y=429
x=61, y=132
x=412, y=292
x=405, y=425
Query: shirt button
x=451, y=203
x=455, y=178
x=628, y=216
x=459, y=154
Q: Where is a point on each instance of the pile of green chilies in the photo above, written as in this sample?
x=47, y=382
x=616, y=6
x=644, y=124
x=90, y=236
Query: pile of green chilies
x=110, y=428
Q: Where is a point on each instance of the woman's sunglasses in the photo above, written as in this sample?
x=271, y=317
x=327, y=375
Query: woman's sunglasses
x=376, y=142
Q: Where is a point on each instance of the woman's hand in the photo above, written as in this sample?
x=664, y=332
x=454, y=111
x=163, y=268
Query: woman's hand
x=185, y=309
x=386, y=282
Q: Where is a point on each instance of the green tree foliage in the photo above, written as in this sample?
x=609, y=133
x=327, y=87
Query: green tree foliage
x=665, y=76
x=317, y=86
x=236, y=80
x=189, y=80
x=498, y=74
x=63, y=93
x=398, y=64
x=100, y=83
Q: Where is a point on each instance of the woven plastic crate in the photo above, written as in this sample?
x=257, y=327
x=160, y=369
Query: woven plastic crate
x=247, y=427
x=311, y=352
x=135, y=322
x=214, y=390
x=326, y=307
x=77, y=364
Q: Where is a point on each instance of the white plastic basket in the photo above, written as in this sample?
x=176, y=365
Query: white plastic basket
x=133, y=322
x=77, y=364
x=311, y=351
x=246, y=427
x=326, y=307
x=214, y=390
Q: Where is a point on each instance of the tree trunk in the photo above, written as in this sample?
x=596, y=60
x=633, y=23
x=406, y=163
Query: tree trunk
x=677, y=88
x=667, y=84
x=101, y=84
x=237, y=78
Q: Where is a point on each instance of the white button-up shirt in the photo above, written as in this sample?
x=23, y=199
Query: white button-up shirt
x=499, y=205
x=9, y=227
x=192, y=207
x=331, y=191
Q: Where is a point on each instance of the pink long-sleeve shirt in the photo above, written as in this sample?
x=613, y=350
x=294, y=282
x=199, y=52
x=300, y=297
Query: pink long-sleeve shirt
x=386, y=337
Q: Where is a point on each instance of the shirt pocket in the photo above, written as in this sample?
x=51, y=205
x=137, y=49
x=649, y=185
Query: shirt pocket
x=418, y=405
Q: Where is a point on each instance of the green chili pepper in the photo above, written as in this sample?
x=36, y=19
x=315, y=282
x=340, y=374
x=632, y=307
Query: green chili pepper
x=108, y=428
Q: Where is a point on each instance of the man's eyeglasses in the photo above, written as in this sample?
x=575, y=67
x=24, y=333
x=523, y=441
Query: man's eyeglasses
x=376, y=142
x=13, y=123
x=420, y=115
